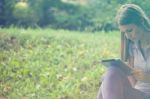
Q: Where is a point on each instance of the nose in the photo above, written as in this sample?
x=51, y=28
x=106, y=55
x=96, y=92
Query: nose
x=129, y=35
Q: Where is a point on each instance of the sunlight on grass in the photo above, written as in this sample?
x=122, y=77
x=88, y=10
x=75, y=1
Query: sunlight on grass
x=53, y=64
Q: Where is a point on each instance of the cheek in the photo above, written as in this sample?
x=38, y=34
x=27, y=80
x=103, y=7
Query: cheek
x=136, y=34
x=133, y=33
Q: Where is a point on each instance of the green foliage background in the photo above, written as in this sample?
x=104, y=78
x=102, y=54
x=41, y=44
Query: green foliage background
x=90, y=16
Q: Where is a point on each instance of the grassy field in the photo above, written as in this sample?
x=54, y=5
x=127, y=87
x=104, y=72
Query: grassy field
x=53, y=64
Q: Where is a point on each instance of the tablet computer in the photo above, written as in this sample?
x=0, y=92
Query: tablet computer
x=117, y=63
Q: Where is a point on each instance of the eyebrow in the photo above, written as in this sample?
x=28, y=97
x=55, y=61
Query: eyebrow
x=127, y=30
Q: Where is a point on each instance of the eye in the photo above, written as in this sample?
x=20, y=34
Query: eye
x=129, y=30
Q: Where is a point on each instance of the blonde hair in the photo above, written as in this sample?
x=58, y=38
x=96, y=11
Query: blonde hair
x=132, y=14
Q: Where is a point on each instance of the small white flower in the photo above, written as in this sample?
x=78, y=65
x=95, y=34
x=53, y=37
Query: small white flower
x=74, y=69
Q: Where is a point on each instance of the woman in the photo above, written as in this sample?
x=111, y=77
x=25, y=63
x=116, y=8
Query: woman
x=135, y=28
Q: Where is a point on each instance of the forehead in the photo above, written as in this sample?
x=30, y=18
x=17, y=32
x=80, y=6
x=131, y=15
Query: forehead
x=126, y=27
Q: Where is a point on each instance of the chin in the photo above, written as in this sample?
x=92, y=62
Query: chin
x=135, y=40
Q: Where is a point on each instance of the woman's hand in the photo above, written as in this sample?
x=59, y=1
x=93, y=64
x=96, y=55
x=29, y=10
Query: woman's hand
x=140, y=75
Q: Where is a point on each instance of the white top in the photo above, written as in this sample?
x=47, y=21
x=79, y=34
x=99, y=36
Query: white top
x=141, y=60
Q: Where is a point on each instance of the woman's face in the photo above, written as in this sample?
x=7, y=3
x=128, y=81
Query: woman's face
x=132, y=31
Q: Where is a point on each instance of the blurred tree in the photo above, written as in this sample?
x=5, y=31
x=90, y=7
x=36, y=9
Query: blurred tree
x=47, y=11
x=8, y=9
x=90, y=15
x=102, y=14
x=25, y=14
x=2, y=15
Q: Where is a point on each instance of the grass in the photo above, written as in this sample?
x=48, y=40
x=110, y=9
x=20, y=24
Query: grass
x=53, y=64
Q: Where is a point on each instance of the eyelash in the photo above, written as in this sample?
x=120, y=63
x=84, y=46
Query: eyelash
x=128, y=31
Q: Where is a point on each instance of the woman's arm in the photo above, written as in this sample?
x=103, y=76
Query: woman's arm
x=132, y=80
x=137, y=74
x=140, y=75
